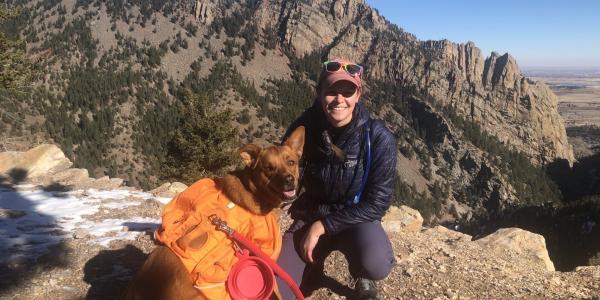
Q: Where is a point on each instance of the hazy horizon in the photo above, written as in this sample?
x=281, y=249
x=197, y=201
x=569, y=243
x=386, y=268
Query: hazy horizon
x=537, y=33
x=565, y=68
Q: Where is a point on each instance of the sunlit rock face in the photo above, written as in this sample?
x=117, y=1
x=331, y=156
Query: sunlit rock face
x=491, y=91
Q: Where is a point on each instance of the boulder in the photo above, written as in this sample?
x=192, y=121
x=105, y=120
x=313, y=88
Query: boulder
x=71, y=176
x=8, y=160
x=169, y=189
x=402, y=219
x=42, y=160
x=106, y=183
x=79, y=179
x=522, y=242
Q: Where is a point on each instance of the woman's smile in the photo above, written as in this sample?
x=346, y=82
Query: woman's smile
x=338, y=102
x=333, y=107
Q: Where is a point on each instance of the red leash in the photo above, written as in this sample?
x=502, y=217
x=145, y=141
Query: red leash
x=222, y=225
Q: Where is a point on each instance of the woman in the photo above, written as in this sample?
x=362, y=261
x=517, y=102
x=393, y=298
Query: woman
x=349, y=164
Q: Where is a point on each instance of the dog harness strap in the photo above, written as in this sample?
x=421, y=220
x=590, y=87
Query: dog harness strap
x=210, y=286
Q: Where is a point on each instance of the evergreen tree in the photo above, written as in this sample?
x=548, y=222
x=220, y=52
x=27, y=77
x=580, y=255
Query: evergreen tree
x=15, y=75
x=14, y=68
x=204, y=142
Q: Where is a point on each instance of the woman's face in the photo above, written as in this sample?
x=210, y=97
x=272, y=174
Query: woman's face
x=338, y=102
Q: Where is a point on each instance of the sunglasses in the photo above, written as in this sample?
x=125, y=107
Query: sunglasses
x=350, y=68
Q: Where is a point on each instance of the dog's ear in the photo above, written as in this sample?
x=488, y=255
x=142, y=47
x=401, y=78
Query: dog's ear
x=296, y=140
x=249, y=154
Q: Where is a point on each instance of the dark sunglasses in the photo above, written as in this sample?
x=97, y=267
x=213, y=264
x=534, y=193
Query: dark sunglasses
x=336, y=66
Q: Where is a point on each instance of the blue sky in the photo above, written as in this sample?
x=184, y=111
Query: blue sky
x=536, y=32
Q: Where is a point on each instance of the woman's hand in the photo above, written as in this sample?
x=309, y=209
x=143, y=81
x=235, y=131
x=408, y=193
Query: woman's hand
x=310, y=239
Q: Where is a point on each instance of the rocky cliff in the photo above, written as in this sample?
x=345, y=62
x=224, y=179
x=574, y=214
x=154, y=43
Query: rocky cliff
x=491, y=91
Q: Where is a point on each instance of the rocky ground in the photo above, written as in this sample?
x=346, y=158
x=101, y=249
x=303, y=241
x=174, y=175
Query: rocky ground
x=438, y=263
x=433, y=263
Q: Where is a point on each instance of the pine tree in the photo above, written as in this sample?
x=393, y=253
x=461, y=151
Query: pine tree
x=15, y=75
x=204, y=142
x=14, y=67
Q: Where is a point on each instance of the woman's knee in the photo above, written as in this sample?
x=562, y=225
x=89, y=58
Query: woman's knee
x=377, y=267
x=376, y=252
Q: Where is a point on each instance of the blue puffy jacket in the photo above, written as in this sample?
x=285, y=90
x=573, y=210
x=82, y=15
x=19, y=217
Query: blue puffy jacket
x=330, y=183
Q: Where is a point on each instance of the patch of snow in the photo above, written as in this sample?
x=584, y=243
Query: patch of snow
x=118, y=194
x=119, y=205
x=48, y=218
x=24, y=186
x=163, y=200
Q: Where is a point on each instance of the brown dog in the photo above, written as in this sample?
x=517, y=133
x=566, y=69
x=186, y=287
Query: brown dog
x=269, y=177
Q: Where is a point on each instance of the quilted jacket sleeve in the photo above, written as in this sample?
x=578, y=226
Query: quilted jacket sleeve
x=377, y=195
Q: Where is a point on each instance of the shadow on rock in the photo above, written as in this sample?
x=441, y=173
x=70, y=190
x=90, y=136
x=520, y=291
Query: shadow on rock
x=57, y=189
x=110, y=271
x=13, y=177
x=145, y=227
x=17, y=175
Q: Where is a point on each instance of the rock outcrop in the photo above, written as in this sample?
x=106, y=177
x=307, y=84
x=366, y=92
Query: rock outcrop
x=42, y=160
x=495, y=94
x=169, y=189
x=402, y=219
x=491, y=91
x=47, y=165
x=204, y=11
x=523, y=242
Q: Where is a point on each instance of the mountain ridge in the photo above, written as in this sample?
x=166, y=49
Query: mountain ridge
x=471, y=80
x=119, y=90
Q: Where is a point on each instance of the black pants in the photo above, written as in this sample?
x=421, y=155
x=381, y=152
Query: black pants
x=365, y=245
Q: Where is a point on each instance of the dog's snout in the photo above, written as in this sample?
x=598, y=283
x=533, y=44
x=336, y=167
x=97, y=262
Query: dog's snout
x=289, y=179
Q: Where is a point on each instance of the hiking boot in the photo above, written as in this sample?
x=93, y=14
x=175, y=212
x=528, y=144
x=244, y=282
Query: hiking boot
x=366, y=289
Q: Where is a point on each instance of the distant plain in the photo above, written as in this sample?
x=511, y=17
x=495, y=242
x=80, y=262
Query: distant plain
x=578, y=92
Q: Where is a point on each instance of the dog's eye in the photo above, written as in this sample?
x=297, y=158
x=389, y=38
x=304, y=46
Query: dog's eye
x=269, y=168
x=291, y=163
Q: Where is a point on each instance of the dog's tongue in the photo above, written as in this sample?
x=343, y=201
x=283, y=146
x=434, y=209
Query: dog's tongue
x=290, y=194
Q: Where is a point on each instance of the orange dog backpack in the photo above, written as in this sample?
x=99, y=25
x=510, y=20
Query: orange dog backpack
x=208, y=254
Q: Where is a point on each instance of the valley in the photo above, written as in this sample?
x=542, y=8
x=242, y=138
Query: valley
x=578, y=93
